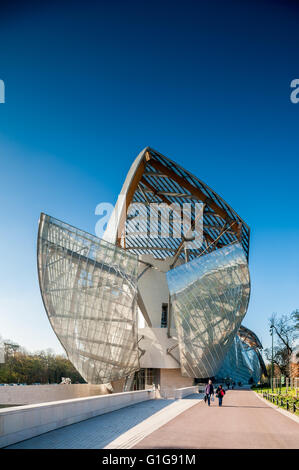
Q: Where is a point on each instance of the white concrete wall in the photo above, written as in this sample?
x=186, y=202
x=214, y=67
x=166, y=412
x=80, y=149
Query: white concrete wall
x=172, y=379
x=24, y=422
x=156, y=342
x=153, y=287
x=30, y=394
x=184, y=392
x=110, y=233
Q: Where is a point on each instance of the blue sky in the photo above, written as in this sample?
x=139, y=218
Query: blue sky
x=88, y=86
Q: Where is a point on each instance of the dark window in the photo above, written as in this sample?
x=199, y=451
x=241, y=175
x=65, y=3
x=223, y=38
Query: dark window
x=164, y=315
x=149, y=377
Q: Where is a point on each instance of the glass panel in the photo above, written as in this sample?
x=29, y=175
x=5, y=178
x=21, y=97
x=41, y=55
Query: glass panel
x=209, y=297
x=89, y=289
x=241, y=364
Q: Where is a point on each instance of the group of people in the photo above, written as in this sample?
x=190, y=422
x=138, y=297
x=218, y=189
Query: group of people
x=209, y=393
x=232, y=384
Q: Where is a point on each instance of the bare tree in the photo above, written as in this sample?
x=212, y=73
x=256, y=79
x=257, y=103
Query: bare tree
x=295, y=316
x=286, y=332
x=10, y=347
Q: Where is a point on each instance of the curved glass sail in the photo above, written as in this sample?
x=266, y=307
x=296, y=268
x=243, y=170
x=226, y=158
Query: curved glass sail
x=241, y=364
x=89, y=289
x=209, y=298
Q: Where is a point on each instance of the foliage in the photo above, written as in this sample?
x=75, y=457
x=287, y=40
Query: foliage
x=40, y=367
x=281, y=393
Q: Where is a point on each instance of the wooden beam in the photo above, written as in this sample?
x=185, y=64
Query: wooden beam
x=167, y=201
x=239, y=232
x=196, y=192
x=224, y=229
x=178, y=252
x=155, y=191
x=218, y=227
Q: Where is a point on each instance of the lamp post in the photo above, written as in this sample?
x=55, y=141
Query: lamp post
x=272, y=363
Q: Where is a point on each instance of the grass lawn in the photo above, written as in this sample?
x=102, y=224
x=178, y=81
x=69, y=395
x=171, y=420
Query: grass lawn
x=290, y=396
x=283, y=391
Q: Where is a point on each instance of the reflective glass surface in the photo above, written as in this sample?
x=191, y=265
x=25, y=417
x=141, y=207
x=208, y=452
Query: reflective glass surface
x=89, y=289
x=209, y=298
x=241, y=364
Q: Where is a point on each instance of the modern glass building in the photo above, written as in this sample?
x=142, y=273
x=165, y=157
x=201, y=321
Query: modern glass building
x=89, y=289
x=244, y=362
x=161, y=296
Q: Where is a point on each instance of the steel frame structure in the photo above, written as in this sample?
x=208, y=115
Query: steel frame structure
x=90, y=287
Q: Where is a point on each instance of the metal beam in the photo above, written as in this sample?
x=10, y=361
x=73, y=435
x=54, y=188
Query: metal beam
x=168, y=351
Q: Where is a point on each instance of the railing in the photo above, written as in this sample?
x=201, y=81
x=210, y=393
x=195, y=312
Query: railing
x=280, y=401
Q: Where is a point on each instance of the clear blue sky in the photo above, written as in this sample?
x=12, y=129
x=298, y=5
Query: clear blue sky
x=88, y=85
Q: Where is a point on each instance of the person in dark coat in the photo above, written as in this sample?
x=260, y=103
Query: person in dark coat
x=209, y=392
x=220, y=392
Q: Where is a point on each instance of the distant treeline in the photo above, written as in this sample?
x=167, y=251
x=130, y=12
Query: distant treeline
x=42, y=367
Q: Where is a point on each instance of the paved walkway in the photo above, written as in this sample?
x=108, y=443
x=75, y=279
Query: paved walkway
x=120, y=429
x=243, y=422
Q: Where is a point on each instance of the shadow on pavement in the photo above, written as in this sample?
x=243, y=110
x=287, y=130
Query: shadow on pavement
x=97, y=432
x=194, y=396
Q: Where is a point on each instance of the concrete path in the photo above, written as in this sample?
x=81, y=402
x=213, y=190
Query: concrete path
x=130, y=438
x=243, y=422
x=119, y=429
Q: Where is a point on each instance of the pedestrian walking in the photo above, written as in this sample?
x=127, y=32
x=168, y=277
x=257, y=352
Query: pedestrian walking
x=220, y=392
x=209, y=392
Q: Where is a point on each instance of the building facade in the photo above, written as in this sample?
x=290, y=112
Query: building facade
x=294, y=363
x=243, y=363
x=161, y=296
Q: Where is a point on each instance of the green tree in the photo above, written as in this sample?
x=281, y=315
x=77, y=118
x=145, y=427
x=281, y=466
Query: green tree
x=43, y=366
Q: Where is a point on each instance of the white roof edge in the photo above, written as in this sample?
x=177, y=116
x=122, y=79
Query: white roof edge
x=110, y=234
